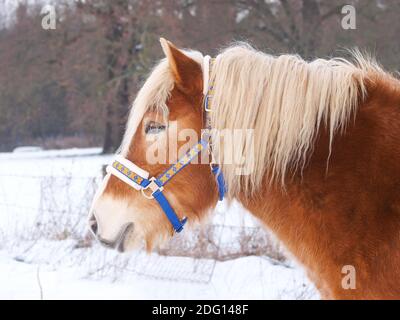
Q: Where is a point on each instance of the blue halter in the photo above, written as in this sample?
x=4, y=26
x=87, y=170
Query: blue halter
x=128, y=172
x=156, y=185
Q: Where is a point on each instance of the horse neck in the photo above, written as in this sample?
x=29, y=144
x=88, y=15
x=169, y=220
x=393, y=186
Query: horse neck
x=349, y=212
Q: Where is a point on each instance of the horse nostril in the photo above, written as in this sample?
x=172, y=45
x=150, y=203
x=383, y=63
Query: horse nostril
x=93, y=225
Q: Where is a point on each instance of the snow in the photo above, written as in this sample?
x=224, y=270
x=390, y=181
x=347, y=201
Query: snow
x=44, y=199
x=27, y=149
x=243, y=278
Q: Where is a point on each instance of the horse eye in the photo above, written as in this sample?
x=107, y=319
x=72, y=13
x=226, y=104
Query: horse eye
x=154, y=127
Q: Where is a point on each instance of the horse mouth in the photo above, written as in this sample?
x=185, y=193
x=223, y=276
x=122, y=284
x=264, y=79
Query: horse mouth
x=119, y=241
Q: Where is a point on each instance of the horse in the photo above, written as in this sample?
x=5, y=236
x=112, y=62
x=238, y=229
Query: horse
x=325, y=161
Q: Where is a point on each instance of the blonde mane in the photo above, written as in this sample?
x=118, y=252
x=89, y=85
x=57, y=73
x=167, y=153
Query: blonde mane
x=283, y=99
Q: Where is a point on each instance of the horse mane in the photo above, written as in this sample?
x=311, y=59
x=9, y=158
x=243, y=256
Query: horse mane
x=284, y=100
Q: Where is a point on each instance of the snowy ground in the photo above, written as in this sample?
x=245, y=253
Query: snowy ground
x=44, y=197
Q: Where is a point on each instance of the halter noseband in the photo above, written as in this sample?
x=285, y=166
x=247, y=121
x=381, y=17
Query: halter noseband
x=152, y=188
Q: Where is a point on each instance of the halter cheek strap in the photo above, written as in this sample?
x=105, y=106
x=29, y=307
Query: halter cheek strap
x=153, y=188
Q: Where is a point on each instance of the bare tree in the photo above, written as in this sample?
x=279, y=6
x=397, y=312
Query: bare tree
x=77, y=82
x=118, y=21
x=293, y=25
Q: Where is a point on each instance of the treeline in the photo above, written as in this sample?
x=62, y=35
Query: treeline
x=73, y=86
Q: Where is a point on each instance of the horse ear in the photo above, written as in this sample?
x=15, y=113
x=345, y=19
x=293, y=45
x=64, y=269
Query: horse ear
x=187, y=72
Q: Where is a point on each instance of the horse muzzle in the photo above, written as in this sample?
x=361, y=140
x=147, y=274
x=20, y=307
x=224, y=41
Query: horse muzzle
x=118, y=243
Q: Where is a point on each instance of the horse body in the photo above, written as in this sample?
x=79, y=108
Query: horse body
x=348, y=213
x=326, y=176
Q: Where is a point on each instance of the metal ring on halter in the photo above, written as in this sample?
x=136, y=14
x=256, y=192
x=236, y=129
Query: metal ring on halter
x=206, y=104
x=153, y=186
x=212, y=162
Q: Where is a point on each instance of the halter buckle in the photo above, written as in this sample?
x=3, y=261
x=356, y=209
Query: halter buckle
x=153, y=187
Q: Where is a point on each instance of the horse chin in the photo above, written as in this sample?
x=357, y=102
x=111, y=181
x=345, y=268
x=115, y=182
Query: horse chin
x=135, y=241
x=132, y=242
x=123, y=244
